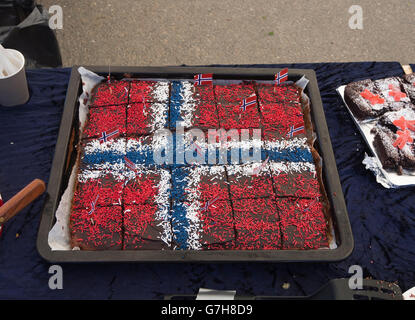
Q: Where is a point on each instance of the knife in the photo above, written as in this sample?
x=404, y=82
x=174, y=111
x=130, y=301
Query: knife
x=12, y=207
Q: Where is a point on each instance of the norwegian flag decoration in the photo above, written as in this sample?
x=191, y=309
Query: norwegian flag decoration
x=203, y=78
x=130, y=165
x=93, y=204
x=250, y=101
x=294, y=130
x=281, y=76
x=210, y=202
x=104, y=135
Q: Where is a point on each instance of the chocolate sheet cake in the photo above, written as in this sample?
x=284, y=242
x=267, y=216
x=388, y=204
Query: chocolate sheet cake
x=389, y=103
x=266, y=196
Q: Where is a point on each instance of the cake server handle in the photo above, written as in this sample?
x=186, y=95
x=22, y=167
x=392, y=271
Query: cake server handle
x=29, y=193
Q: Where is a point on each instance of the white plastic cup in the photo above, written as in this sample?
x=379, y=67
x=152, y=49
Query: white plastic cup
x=13, y=88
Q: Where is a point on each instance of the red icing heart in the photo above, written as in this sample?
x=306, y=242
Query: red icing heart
x=403, y=124
x=372, y=98
x=403, y=139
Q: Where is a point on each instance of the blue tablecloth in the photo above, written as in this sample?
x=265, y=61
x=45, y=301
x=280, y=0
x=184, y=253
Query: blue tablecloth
x=383, y=221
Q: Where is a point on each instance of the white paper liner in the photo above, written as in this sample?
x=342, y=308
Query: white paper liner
x=59, y=235
x=388, y=179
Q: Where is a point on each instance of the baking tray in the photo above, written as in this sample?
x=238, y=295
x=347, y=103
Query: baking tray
x=65, y=156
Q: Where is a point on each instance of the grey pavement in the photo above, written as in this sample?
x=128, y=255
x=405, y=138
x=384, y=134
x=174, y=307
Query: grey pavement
x=196, y=32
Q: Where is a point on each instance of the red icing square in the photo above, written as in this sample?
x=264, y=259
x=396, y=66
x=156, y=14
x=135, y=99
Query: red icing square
x=105, y=119
x=217, y=223
x=285, y=94
x=233, y=94
x=249, y=184
x=303, y=224
x=142, y=229
x=257, y=224
x=142, y=189
x=232, y=117
x=112, y=93
x=278, y=121
x=297, y=184
x=149, y=91
x=99, y=230
x=103, y=186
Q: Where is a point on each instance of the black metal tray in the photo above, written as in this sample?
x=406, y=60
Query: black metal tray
x=65, y=156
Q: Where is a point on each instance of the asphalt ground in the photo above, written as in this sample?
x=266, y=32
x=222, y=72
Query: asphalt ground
x=199, y=32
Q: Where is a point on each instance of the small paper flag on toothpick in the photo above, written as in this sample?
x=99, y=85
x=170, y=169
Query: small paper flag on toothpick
x=281, y=76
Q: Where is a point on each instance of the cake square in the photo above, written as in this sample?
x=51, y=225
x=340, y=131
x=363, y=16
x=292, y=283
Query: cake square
x=103, y=156
x=110, y=93
x=364, y=99
x=192, y=106
x=147, y=185
x=144, y=229
x=257, y=224
x=393, y=154
x=233, y=94
x=105, y=121
x=100, y=229
x=391, y=91
x=149, y=91
x=295, y=179
x=199, y=183
x=145, y=118
x=98, y=188
x=249, y=181
x=303, y=224
x=283, y=93
x=234, y=117
x=282, y=121
x=197, y=225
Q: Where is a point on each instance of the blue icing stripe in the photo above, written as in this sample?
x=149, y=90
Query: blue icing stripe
x=180, y=225
x=175, y=103
x=290, y=155
x=98, y=158
x=141, y=157
x=179, y=220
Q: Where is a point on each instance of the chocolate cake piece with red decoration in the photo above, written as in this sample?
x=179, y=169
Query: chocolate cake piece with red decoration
x=197, y=225
x=238, y=116
x=249, y=181
x=233, y=94
x=99, y=228
x=143, y=229
x=394, y=139
x=109, y=93
x=282, y=121
x=391, y=90
x=257, y=224
x=144, y=91
x=364, y=99
x=201, y=183
x=105, y=121
x=295, y=179
x=146, y=118
x=237, y=106
x=98, y=188
x=283, y=93
x=303, y=223
x=145, y=185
